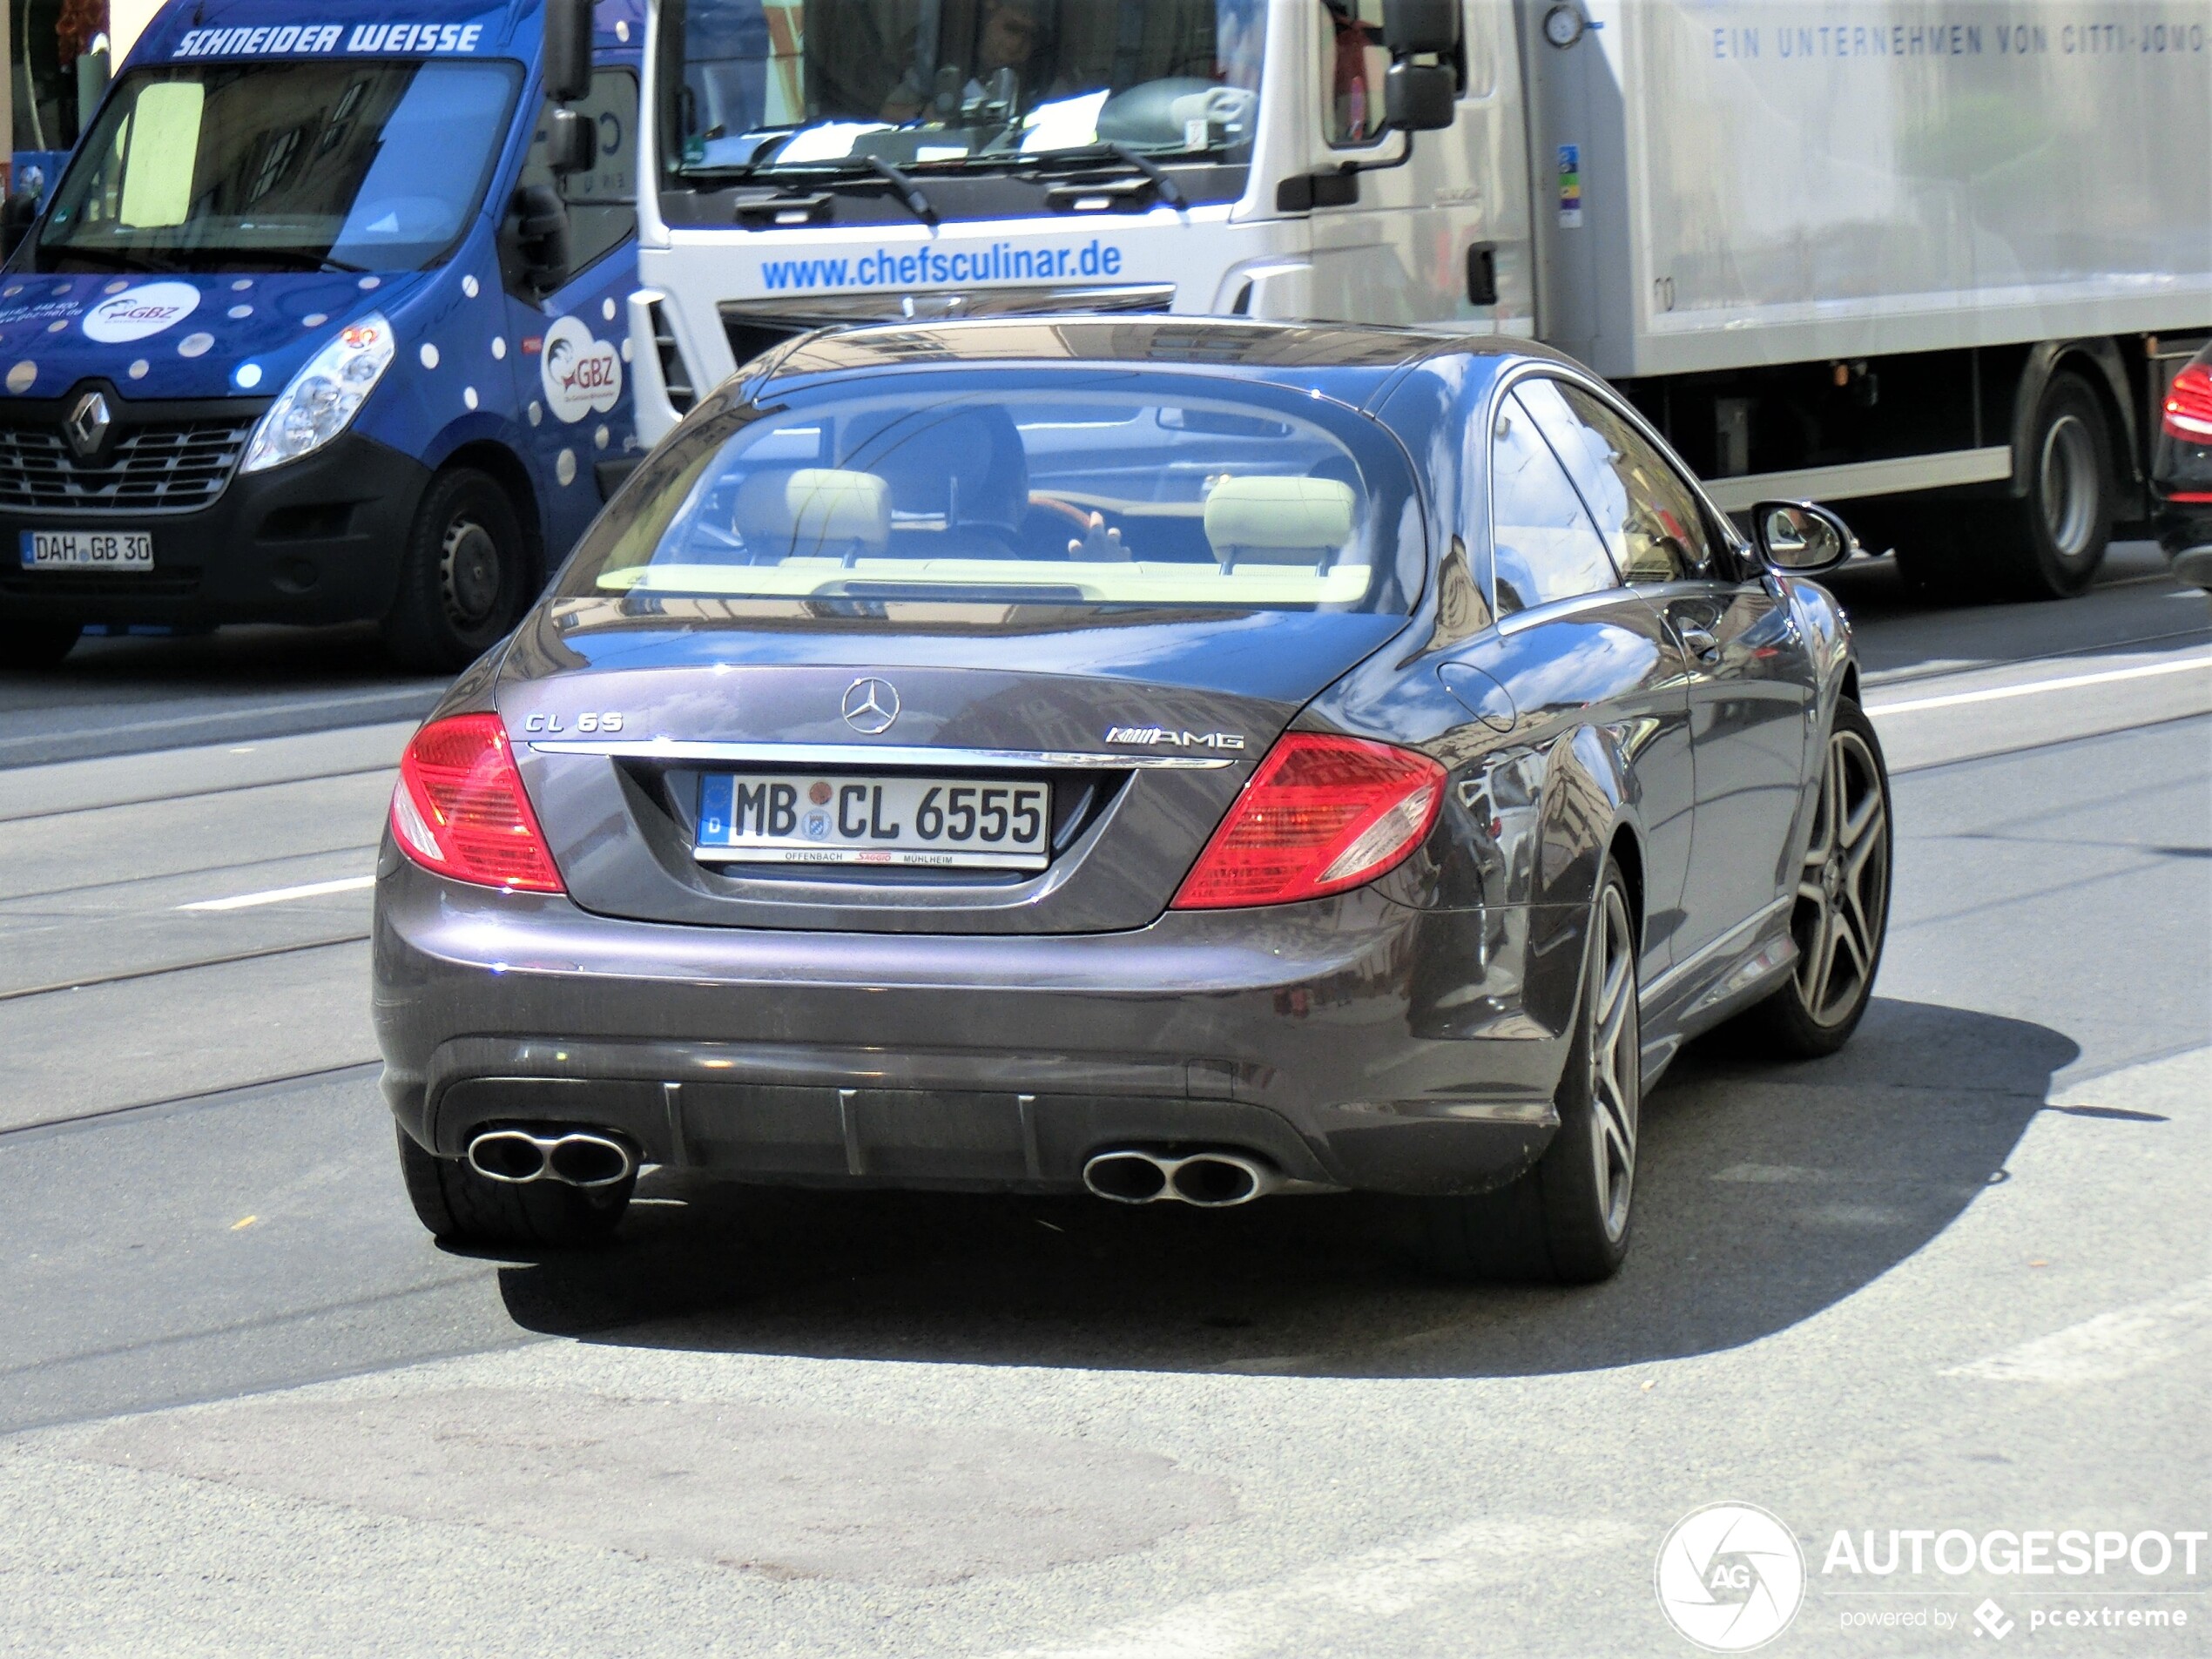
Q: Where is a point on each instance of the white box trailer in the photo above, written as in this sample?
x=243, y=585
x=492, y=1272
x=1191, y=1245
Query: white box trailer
x=1936, y=260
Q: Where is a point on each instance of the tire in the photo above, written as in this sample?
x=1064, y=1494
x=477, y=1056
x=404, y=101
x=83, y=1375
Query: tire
x=1841, y=914
x=2052, y=539
x=32, y=645
x=1567, y=1220
x=464, y=579
x=464, y=1208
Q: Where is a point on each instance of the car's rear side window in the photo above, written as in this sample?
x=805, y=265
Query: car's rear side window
x=1097, y=492
x=1543, y=546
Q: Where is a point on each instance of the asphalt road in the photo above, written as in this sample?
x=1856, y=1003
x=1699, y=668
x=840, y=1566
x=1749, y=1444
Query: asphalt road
x=1956, y=1277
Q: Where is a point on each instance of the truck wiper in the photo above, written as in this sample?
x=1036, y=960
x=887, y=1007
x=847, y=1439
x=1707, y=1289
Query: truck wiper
x=1077, y=160
x=900, y=180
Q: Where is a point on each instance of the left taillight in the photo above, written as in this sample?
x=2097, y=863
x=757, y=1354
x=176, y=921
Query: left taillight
x=459, y=810
x=2189, y=405
x=1322, y=814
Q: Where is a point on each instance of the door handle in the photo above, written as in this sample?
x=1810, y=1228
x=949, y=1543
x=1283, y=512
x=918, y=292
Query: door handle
x=1700, y=642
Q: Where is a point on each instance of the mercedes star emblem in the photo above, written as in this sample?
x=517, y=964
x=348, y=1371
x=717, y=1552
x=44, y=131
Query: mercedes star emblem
x=871, y=706
x=86, y=427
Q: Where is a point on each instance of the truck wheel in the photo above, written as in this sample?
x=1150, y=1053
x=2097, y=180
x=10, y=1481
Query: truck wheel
x=1566, y=1221
x=457, y=1205
x=2054, y=537
x=464, y=580
x=36, y=645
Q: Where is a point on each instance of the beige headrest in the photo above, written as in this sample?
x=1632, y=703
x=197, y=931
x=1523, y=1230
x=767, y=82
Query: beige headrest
x=1254, y=517
x=814, y=511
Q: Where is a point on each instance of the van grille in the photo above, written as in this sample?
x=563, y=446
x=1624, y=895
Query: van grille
x=165, y=465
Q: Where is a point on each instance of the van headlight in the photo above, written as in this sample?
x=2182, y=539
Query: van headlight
x=323, y=396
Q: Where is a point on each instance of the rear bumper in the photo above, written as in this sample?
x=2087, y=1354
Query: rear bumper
x=317, y=540
x=1351, y=1043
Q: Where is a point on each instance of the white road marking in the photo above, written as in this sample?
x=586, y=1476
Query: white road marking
x=2109, y=1347
x=280, y=895
x=1304, y=1612
x=2065, y=683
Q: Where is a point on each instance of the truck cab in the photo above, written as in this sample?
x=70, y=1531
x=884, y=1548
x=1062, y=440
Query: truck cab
x=322, y=324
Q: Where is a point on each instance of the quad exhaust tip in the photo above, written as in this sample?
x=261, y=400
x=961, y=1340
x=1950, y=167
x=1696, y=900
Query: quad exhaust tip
x=1209, y=1180
x=574, y=1157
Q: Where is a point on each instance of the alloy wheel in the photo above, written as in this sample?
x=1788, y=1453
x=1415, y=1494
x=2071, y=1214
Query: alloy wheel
x=1843, y=888
x=1616, y=1061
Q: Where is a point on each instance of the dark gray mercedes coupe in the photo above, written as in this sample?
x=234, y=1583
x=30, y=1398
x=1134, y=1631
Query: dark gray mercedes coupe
x=1182, y=760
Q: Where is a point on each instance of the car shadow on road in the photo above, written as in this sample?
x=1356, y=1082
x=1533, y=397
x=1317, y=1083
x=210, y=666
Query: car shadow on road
x=1768, y=1193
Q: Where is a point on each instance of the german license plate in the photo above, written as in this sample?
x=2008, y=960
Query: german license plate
x=935, y=823
x=87, y=550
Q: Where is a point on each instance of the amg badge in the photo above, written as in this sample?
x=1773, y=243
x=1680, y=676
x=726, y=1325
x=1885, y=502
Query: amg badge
x=1149, y=734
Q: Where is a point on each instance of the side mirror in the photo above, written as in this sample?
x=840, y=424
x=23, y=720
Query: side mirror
x=1421, y=27
x=1418, y=97
x=1800, y=539
x=534, y=240
x=2194, y=567
x=571, y=142
x=568, y=49
x=18, y=215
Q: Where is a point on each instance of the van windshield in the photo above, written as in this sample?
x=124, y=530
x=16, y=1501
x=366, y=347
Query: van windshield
x=777, y=87
x=371, y=166
x=1105, y=491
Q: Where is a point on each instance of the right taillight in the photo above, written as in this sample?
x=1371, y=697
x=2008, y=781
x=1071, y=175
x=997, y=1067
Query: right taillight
x=1322, y=814
x=460, y=809
x=2189, y=405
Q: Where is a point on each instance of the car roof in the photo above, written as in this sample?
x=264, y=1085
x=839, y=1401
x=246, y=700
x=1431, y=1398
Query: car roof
x=1159, y=341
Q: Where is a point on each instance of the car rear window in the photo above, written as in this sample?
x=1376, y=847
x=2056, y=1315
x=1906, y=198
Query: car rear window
x=1107, y=491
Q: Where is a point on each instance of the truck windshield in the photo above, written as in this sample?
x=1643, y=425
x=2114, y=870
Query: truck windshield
x=348, y=165
x=792, y=85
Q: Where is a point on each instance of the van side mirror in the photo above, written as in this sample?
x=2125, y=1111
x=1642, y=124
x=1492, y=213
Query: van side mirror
x=1799, y=538
x=1413, y=28
x=568, y=49
x=571, y=142
x=534, y=240
x=1418, y=97
x=18, y=215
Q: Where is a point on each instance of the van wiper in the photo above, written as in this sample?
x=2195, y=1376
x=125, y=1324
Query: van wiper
x=111, y=259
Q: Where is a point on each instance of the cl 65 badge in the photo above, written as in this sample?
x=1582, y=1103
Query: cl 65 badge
x=611, y=721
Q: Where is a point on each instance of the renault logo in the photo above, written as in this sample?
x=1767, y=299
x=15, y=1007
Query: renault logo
x=871, y=706
x=86, y=427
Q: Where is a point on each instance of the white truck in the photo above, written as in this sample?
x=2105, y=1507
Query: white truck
x=1936, y=258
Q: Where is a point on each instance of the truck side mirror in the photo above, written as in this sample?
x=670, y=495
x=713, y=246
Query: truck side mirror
x=1420, y=28
x=534, y=241
x=568, y=49
x=1800, y=539
x=571, y=142
x=1418, y=97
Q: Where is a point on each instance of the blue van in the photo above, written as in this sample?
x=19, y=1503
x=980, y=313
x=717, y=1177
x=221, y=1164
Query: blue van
x=325, y=321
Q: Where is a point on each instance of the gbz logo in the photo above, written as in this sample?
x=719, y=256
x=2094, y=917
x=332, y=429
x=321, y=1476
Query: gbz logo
x=581, y=374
